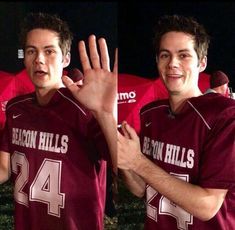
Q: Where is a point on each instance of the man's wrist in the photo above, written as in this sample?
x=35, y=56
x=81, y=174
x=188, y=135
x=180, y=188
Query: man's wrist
x=138, y=163
x=101, y=115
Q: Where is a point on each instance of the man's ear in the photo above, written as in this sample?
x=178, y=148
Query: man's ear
x=203, y=64
x=66, y=60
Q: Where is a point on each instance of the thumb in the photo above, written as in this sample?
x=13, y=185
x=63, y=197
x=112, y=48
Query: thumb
x=124, y=131
x=68, y=82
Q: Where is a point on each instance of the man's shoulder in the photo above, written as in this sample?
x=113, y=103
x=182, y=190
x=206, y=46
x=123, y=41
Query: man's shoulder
x=213, y=106
x=68, y=98
x=213, y=100
x=67, y=95
x=19, y=99
x=154, y=104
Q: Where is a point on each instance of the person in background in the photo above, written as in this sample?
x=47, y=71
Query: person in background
x=183, y=163
x=219, y=83
x=58, y=140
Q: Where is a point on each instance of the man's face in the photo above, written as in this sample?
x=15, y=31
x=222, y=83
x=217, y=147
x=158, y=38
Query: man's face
x=43, y=58
x=178, y=63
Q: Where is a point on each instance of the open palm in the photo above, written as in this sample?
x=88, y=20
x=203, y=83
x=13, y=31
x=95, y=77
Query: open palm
x=99, y=89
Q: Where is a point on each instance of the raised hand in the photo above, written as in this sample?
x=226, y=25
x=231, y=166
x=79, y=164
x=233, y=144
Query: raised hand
x=99, y=90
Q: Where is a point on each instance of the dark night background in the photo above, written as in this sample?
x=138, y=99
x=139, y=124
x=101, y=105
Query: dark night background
x=84, y=18
x=126, y=25
x=135, y=33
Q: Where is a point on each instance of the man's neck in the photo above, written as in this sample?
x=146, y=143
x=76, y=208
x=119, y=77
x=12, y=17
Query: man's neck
x=177, y=101
x=45, y=94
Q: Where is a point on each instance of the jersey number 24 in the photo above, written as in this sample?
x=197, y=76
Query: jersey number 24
x=45, y=187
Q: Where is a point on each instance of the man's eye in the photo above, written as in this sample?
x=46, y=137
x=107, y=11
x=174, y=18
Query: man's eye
x=162, y=56
x=29, y=52
x=49, y=51
x=183, y=56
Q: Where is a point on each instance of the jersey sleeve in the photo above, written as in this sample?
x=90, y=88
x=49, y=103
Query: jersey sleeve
x=218, y=159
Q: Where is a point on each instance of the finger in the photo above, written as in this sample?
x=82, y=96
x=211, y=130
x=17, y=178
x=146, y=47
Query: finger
x=104, y=54
x=125, y=132
x=67, y=81
x=131, y=132
x=83, y=56
x=120, y=137
x=94, y=55
x=115, y=66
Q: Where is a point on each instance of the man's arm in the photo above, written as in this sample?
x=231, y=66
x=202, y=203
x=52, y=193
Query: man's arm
x=99, y=90
x=201, y=202
x=4, y=166
x=135, y=183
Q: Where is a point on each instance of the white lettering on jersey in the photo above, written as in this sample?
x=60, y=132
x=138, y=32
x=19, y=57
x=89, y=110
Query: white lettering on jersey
x=50, y=142
x=40, y=140
x=152, y=212
x=46, y=186
x=167, y=207
x=154, y=148
x=171, y=154
x=25, y=138
x=64, y=143
x=20, y=166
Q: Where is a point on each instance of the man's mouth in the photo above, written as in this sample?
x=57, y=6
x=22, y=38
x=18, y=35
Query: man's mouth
x=40, y=73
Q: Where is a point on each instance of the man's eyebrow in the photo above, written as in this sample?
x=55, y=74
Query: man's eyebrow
x=34, y=47
x=49, y=46
x=30, y=46
x=164, y=50
x=179, y=51
x=184, y=50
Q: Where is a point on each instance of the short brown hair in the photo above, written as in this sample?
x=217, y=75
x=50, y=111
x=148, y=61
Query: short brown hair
x=188, y=25
x=50, y=22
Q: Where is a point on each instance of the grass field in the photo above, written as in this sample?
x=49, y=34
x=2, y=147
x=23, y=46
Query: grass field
x=6, y=206
x=130, y=210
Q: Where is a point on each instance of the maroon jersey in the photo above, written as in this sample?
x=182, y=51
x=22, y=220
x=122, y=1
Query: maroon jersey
x=58, y=162
x=196, y=145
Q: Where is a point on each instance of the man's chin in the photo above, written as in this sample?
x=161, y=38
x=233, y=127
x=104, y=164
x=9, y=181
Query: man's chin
x=174, y=92
x=40, y=86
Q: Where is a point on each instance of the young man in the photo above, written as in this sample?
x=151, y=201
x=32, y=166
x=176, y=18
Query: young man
x=54, y=138
x=184, y=164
